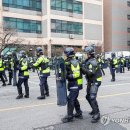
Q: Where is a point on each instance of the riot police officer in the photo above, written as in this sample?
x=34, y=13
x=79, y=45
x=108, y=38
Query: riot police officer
x=94, y=77
x=23, y=75
x=100, y=63
x=2, y=71
x=74, y=77
x=4, y=59
x=10, y=67
x=113, y=66
x=122, y=68
x=42, y=65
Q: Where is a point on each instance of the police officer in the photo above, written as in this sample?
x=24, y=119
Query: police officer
x=94, y=77
x=100, y=63
x=2, y=71
x=42, y=65
x=74, y=77
x=128, y=62
x=10, y=67
x=113, y=63
x=4, y=58
x=23, y=75
x=122, y=60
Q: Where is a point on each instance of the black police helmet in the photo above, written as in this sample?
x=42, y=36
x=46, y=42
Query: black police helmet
x=22, y=54
x=39, y=51
x=113, y=54
x=89, y=50
x=69, y=51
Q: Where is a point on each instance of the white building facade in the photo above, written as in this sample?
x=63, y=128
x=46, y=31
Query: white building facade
x=55, y=22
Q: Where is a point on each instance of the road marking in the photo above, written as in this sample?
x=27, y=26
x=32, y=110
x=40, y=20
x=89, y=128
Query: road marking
x=115, y=85
x=54, y=103
x=113, y=95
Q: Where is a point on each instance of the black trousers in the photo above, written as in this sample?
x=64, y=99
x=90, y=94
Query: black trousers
x=44, y=89
x=10, y=76
x=46, y=86
x=92, y=89
x=4, y=75
x=2, y=79
x=19, y=85
x=73, y=102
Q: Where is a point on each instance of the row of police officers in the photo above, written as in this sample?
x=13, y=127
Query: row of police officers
x=91, y=67
x=22, y=66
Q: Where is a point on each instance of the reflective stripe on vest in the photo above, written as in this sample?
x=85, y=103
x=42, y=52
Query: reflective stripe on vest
x=99, y=79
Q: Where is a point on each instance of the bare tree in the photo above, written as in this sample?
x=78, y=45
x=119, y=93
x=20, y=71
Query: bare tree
x=8, y=37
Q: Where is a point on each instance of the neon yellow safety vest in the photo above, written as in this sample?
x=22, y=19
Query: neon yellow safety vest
x=115, y=62
x=90, y=69
x=77, y=74
x=42, y=63
x=1, y=65
x=24, y=67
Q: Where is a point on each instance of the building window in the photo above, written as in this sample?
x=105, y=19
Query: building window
x=128, y=17
x=128, y=3
x=67, y=27
x=35, y=5
x=128, y=43
x=128, y=30
x=24, y=25
x=72, y=6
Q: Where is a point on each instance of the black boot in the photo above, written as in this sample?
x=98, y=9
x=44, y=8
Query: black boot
x=91, y=113
x=96, y=118
x=47, y=90
x=78, y=115
x=26, y=92
x=4, y=84
x=19, y=96
x=67, y=119
x=112, y=80
x=41, y=97
x=26, y=96
x=88, y=99
x=96, y=113
x=47, y=94
x=10, y=79
x=70, y=109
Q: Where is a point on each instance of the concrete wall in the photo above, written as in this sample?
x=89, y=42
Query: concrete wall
x=22, y=11
x=62, y=35
x=107, y=25
x=93, y=32
x=93, y=11
x=44, y=28
x=44, y=7
x=119, y=25
x=61, y=13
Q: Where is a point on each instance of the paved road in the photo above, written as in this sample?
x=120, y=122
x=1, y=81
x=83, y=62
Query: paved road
x=29, y=114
